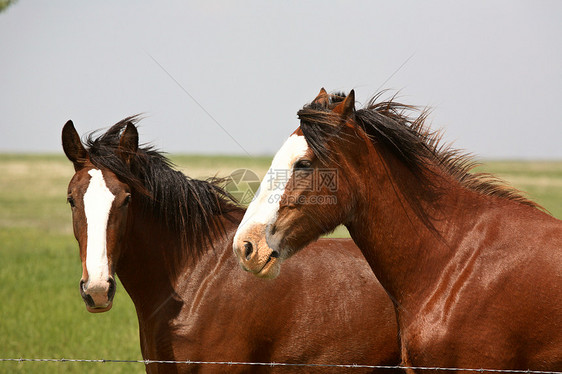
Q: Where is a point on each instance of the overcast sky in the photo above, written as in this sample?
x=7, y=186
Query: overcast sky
x=491, y=70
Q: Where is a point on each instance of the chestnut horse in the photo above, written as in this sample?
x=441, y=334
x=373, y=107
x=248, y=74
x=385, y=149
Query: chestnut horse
x=474, y=269
x=169, y=238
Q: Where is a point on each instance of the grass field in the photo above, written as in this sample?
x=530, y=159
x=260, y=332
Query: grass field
x=41, y=312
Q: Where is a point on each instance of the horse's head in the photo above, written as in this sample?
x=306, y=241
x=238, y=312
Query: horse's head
x=100, y=204
x=304, y=194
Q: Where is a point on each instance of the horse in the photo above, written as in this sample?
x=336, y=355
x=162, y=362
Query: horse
x=473, y=267
x=169, y=239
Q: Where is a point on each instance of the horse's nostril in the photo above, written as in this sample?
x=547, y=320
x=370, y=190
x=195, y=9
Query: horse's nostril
x=111, y=290
x=248, y=250
x=274, y=254
x=87, y=298
x=83, y=288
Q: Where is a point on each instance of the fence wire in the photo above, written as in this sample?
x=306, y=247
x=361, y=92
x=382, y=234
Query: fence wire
x=275, y=364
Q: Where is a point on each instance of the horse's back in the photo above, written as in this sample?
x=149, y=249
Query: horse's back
x=327, y=308
x=338, y=301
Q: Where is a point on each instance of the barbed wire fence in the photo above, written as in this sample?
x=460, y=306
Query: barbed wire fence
x=276, y=364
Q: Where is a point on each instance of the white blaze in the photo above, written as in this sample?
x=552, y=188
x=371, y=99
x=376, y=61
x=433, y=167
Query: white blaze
x=97, y=204
x=265, y=205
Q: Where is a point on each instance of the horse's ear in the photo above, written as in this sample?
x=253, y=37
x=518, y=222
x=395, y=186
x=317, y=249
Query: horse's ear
x=72, y=146
x=322, y=98
x=129, y=143
x=347, y=106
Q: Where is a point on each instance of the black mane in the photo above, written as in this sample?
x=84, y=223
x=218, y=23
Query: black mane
x=189, y=208
x=388, y=123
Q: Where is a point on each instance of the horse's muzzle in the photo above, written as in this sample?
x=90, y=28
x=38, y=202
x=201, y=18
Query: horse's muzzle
x=99, y=297
x=257, y=258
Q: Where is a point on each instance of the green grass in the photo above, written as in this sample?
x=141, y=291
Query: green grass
x=41, y=312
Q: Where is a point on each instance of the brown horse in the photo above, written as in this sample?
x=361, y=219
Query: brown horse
x=474, y=269
x=169, y=238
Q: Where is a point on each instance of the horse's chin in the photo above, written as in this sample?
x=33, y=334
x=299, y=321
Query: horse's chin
x=271, y=270
x=100, y=309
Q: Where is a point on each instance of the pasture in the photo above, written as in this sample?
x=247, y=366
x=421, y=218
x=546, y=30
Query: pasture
x=41, y=312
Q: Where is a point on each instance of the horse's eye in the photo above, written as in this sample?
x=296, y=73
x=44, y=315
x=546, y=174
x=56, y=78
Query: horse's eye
x=302, y=164
x=127, y=200
x=70, y=200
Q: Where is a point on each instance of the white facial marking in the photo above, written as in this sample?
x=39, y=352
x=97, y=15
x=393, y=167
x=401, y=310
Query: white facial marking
x=97, y=204
x=265, y=206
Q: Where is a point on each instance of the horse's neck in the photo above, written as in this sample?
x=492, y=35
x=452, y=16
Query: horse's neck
x=402, y=250
x=144, y=266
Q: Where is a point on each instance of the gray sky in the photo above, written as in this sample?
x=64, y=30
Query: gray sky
x=491, y=70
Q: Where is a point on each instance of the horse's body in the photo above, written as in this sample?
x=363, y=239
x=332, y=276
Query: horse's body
x=192, y=301
x=474, y=269
x=215, y=312
x=489, y=295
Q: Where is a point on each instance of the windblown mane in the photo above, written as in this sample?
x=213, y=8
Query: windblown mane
x=189, y=208
x=390, y=123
